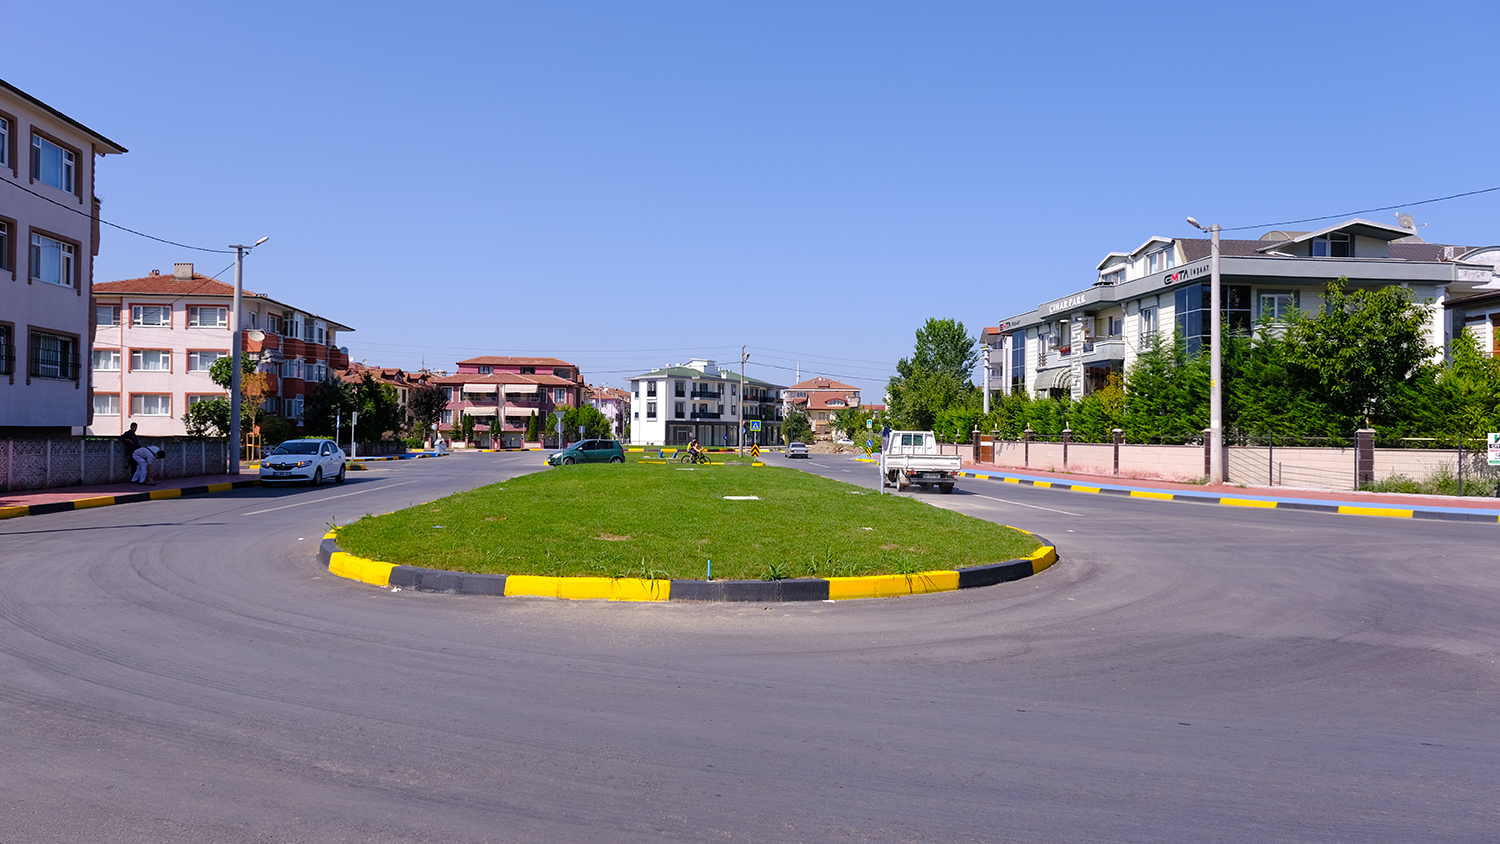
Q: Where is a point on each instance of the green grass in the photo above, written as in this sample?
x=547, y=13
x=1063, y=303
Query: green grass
x=667, y=521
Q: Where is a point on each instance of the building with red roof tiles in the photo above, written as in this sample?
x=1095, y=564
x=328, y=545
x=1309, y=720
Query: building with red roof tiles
x=614, y=403
x=820, y=398
x=512, y=389
x=49, y=236
x=155, y=338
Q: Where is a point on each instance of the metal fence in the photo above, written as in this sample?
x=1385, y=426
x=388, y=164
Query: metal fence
x=71, y=461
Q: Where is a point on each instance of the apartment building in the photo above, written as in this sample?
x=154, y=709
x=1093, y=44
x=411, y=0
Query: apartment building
x=156, y=337
x=674, y=404
x=511, y=389
x=820, y=398
x=399, y=380
x=49, y=237
x=614, y=403
x=1069, y=346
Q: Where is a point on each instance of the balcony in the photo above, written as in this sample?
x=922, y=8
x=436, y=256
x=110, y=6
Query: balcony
x=1099, y=351
x=707, y=394
x=703, y=414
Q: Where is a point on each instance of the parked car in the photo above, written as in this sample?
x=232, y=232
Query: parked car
x=589, y=451
x=304, y=461
x=796, y=450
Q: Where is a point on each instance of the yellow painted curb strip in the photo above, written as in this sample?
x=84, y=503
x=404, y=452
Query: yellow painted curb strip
x=588, y=588
x=12, y=512
x=358, y=568
x=891, y=585
x=86, y=503
x=159, y=494
x=1248, y=502
x=1043, y=558
x=1085, y=489
x=1376, y=511
x=1160, y=496
x=1042, y=484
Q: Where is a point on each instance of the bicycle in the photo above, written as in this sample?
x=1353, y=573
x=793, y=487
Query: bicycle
x=689, y=456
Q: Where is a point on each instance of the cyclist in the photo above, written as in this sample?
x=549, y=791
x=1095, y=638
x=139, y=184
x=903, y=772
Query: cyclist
x=695, y=451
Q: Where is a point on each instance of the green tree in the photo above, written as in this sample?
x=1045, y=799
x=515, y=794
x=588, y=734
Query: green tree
x=943, y=346
x=326, y=407
x=795, y=428
x=937, y=377
x=207, y=418
x=426, y=404
x=379, y=409
x=595, y=424
x=850, y=421
x=253, y=384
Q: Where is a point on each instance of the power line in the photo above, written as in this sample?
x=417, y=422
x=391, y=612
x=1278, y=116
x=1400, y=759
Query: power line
x=1357, y=213
x=117, y=225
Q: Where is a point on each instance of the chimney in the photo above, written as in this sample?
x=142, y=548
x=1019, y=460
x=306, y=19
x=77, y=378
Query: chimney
x=182, y=272
x=156, y=272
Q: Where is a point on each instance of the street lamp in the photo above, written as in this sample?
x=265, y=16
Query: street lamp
x=235, y=352
x=1215, y=357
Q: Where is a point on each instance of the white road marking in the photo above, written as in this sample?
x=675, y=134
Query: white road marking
x=329, y=498
x=1032, y=506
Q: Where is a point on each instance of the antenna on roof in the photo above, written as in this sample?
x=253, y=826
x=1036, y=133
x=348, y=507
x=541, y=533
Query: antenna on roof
x=1406, y=222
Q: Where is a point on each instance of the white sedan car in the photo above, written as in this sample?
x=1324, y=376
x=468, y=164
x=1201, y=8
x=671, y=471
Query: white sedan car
x=305, y=461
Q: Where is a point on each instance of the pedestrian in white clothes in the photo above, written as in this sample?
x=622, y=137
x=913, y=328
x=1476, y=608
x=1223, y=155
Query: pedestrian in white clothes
x=144, y=457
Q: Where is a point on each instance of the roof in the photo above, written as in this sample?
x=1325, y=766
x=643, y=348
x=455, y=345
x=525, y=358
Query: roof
x=111, y=146
x=506, y=360
x=821, y=383
x=1481, y=298
x=157, y=284
x=689, y=372
x=1355, y=227
x=1198, y=248
x=824, y=402
x=547, y=380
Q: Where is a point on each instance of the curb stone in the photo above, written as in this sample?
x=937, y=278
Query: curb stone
x=124, y=498
x=378, y=573
x=1233, y=501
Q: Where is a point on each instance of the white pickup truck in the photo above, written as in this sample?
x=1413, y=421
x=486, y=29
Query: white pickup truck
x=911, y=457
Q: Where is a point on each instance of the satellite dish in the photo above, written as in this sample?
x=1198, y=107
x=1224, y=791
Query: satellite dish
x=1406, y=222
x=344, y=350
x=256, y=334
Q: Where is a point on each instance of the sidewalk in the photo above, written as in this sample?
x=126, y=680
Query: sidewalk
x=61, y=499
x=1348, y=502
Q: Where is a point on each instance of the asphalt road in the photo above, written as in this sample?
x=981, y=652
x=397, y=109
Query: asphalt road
x=185, y=671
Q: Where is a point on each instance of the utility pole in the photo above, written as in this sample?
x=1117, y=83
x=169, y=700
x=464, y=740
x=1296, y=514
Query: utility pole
x=1215, y=356
x=741, y=438
x=235, y=347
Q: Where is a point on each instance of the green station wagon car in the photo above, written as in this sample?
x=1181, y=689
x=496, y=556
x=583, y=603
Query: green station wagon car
x=589, y=451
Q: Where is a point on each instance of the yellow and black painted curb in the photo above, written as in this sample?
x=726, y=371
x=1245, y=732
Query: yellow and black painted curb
x=497, y=450
x=128, y=498
x=414, y=456
x=633, y=589
x=1231, y=501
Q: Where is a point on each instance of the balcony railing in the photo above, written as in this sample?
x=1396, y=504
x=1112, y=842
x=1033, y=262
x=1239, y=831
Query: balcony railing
x=707, y=394
x=703, y=414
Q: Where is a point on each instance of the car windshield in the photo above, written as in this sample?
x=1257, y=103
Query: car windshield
x=297, y=448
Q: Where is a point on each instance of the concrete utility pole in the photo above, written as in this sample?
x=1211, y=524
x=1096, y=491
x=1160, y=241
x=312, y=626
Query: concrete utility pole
x=235, y=347
x=986, y=379
x=743, y=357
x=1215, y=359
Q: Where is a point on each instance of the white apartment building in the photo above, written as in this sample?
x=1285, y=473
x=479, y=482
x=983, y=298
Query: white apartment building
x=49, y=235
x=156, y=337
x=671, y=405
x=1070, y=345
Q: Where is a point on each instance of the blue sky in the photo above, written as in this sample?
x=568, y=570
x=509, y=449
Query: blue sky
x=631, y=184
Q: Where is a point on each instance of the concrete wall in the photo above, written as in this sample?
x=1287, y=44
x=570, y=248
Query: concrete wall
x=70, y=461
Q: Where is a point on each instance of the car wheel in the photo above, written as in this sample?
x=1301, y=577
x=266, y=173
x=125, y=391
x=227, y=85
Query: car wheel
x=343, y=470
x=567, y=461
x=317, y=476
x=617, y=460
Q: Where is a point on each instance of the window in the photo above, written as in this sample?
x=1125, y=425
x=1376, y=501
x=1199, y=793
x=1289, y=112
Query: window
x=273, y=324
x=1116, y=326
x=297, y=408
x=7, y=351
x=293, y=369
x=1194, y=309
x=4, y=142
x=203, y=361
x=1017, y=364
x=151, y=315
x=1277, y=306
x=1064, y=338
x=53, y=356
x=254, y=320
x=203, y=317
x=563, y=372
x=195, y=398
x=106, y=360
x=680, y=390
x=650, y=410
x=528, y=370
x=1148, y=325
x=447, y=417
x=1153, y=262
x=677, y=409
x=51, y=261
x=1115, y=277
x=107, y=315
x=106, y=404
x=448, y=393
x=4, y=245
x=651, y=388
x=51, y=164
x=150, y=360
x=322, y=334
x=559, y=395
x=486, y=370
x=151, y=404
x=1335, y=245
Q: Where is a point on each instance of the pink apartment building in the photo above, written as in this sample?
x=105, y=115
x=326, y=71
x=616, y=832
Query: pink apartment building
x=512, y=388
x=156, y=337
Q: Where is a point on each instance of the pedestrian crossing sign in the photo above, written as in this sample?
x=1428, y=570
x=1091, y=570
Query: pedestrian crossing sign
x=755, y=425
